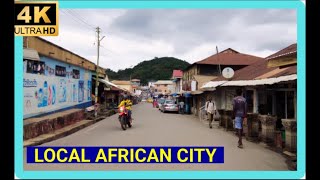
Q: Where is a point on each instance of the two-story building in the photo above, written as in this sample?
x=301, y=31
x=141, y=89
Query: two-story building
x=177, y=76
x=270, y=89
x=164, y=87
x=201, y=72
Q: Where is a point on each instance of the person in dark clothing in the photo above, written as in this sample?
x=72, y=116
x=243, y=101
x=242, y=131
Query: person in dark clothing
x=239, y=114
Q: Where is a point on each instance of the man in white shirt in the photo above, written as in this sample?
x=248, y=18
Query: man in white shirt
x=211, y=109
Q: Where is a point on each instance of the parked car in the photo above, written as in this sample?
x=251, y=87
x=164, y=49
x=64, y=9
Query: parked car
x=160, y=102
x=169, y=105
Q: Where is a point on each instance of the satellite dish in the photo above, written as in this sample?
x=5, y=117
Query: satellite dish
x=228, y=73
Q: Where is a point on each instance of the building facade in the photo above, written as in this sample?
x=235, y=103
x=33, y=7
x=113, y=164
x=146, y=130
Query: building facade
x=52, y=80
x=164, y=86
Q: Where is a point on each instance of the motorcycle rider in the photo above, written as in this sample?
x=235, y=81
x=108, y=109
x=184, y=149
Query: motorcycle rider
x=127, y=103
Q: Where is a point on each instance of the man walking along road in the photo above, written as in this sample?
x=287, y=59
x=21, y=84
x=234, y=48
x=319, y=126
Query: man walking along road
x=181, y=107
x=211, y=109
x=239, y=113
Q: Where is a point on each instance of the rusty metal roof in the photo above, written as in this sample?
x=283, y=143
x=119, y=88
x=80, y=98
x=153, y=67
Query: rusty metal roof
x=230, y=57
x=290, y=50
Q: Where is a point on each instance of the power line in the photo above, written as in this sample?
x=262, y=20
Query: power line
x=78, y=16
x=75, y=18
x=109, y=50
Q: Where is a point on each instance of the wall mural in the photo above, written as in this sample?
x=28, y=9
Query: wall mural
x=89, y=91
x=45, y=92
x=81, y=91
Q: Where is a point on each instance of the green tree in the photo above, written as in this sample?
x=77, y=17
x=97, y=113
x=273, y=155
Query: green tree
x=154, y=69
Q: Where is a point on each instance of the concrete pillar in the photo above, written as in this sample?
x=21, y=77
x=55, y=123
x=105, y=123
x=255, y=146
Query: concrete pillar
x=274, y=103
x=268, y=125
x=222, y=117
x=290, y=126
x=223, y=99
x=228, y=120
x=295, y=104
x=255, y=101
x=251, y=128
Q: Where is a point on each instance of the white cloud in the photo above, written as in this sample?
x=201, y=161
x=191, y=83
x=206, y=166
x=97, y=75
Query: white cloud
x=135, y=35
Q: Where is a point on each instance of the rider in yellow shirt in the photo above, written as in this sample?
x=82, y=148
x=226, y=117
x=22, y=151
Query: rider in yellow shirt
x=128, y=103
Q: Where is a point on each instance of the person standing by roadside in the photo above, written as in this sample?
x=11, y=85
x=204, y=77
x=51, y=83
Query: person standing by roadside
x=239, y=114
x=181, y=107
x=211, y=110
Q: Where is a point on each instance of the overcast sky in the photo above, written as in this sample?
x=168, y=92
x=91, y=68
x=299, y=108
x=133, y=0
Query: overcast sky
x=135, y=35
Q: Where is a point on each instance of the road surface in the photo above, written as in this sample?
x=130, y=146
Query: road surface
x=154, y=128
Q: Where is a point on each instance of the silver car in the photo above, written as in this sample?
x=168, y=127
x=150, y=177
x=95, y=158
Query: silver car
x=160, y=102
x=169, y=105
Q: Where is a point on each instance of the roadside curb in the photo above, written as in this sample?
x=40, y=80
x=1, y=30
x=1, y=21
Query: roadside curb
x=61, y=132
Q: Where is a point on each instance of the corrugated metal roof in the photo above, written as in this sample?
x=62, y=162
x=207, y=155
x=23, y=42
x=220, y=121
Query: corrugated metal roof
x=212, y=84
x=266, y=81
x=31, y=54
x=108, y=83
x=196, y=92
x=230, y=57
x=284, y=52
x=259, y=70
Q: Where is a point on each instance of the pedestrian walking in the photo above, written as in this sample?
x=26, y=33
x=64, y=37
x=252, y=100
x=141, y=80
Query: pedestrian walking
x=239, y=114
x=211, y=110
x=181, y=107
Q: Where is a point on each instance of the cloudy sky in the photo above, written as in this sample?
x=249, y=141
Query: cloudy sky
x=135, y=35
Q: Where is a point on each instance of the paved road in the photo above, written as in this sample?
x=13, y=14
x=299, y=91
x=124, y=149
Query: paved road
x=153, y=128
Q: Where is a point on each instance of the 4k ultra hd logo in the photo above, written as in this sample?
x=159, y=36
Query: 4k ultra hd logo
x=36, y=18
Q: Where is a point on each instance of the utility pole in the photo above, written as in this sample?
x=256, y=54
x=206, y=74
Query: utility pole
x=97, y=73
x=218, y=60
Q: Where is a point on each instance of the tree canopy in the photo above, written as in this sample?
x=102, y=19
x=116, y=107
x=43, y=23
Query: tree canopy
x=149, y=70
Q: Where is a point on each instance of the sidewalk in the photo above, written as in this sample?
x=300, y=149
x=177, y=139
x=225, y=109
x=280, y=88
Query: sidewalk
x=64, y=131
x=291, y=158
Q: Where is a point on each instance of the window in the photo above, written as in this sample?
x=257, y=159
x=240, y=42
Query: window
x=35, y=67
x=61, y=71
x=76, y=74
x=165, y=85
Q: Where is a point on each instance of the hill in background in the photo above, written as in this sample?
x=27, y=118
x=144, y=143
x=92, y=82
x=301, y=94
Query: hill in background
x=155, y=69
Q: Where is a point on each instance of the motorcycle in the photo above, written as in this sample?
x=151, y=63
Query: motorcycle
x=124, y=118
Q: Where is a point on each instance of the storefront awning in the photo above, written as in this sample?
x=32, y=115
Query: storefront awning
x=30, y=54
x=196, y=92
x=110, y=84
x=255, y=82
x=267, y=81
x=212, y=85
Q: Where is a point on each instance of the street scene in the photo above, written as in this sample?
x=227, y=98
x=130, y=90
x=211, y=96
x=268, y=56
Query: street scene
x=123, y=77
x=165, y=129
